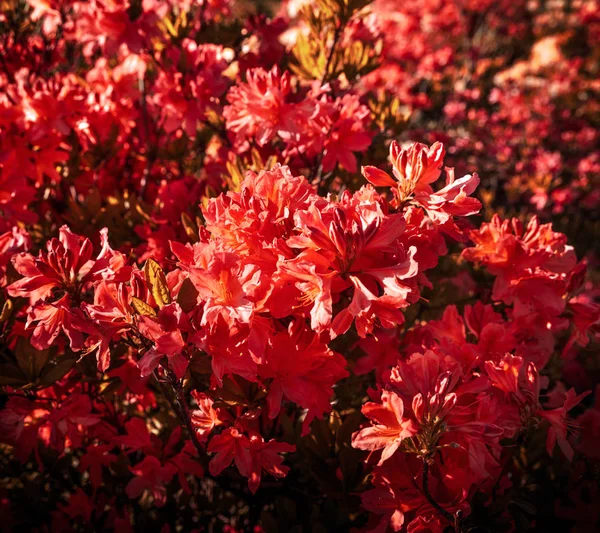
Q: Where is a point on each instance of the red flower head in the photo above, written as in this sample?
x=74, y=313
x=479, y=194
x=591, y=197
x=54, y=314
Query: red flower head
x=251, y=455
x=303, y=369
x=390, y=428
x=257, y=108
x=151, y=475
x=225, y=285
x=362, y=246
x=11, y=242
x=205, y=418
x=65, y=265
x=559, y=423
x=165, y=331
x=415, y=169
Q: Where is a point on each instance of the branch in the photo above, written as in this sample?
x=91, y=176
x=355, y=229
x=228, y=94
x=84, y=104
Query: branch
x=149, y=157
x=336, y=37
x=446, y=514
x=29, y=396
x=316, y=173
x=181, y=409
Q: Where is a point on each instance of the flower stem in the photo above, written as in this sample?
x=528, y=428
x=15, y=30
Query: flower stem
x=176, y=398
x=446, y=514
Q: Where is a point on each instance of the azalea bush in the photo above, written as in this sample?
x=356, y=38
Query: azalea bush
x=318, y=265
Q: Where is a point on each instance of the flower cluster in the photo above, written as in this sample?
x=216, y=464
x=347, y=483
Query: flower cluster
x=250, y=279
x=533, y=110
x=463, y=385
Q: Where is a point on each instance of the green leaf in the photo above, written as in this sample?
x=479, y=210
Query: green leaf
x=30, y=360
x=157, y=283
x=188, y=296
x=13, y=376
x=142, y=308
x=6, y=311
x=53, y=372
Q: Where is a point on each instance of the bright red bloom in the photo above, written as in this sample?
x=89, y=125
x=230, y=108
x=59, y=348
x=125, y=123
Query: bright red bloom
x=205, y=418
x=513, y=254
x=65, y=265
x=165, y=332
x=363, y=249
x=150, y=475
x=251, y=455
x=414, y=168
x=304, y=370
x=390, y=428
x=257, y=108
x=252, y=220
x=224, y=284
x=52, y=318
x=305, y=281
x=559, y=425
x=11, y=242
x=111, y=307
x=346, y=134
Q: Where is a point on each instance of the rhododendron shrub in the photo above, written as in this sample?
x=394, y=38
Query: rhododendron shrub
x=309, y=266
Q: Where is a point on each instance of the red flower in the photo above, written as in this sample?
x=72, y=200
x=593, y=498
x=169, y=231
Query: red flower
x=346, y=134
x=363, y=249
x=151, y=476
x=257, y=108
x=303, y=370
x=111, y=308
x=414, y=169
x=251, y=455
x=65, y=265
x=205, y=418
x=51, y=319
x=390, y=428
x=11, y=242
x=532, y=256
x=165, y=332
x=223, y=282
x=559, y=423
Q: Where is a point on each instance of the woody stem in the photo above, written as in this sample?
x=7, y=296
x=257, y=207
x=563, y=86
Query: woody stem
x=447, y=515
x=175, y=396
x=318, y=168
x=180, y=407
x=145, y=119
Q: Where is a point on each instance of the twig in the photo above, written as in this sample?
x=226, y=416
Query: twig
x=149, y=157
x=202, y=12
x=31, y=397
x=446, y=514
x=172, y=390
x=336, y=36
x=181, y=409
x=508, y=462
x=317, y=170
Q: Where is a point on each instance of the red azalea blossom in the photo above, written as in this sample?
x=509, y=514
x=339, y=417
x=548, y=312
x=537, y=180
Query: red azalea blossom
x=390, y=429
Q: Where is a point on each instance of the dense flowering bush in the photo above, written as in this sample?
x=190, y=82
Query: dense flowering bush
x=317, y=265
